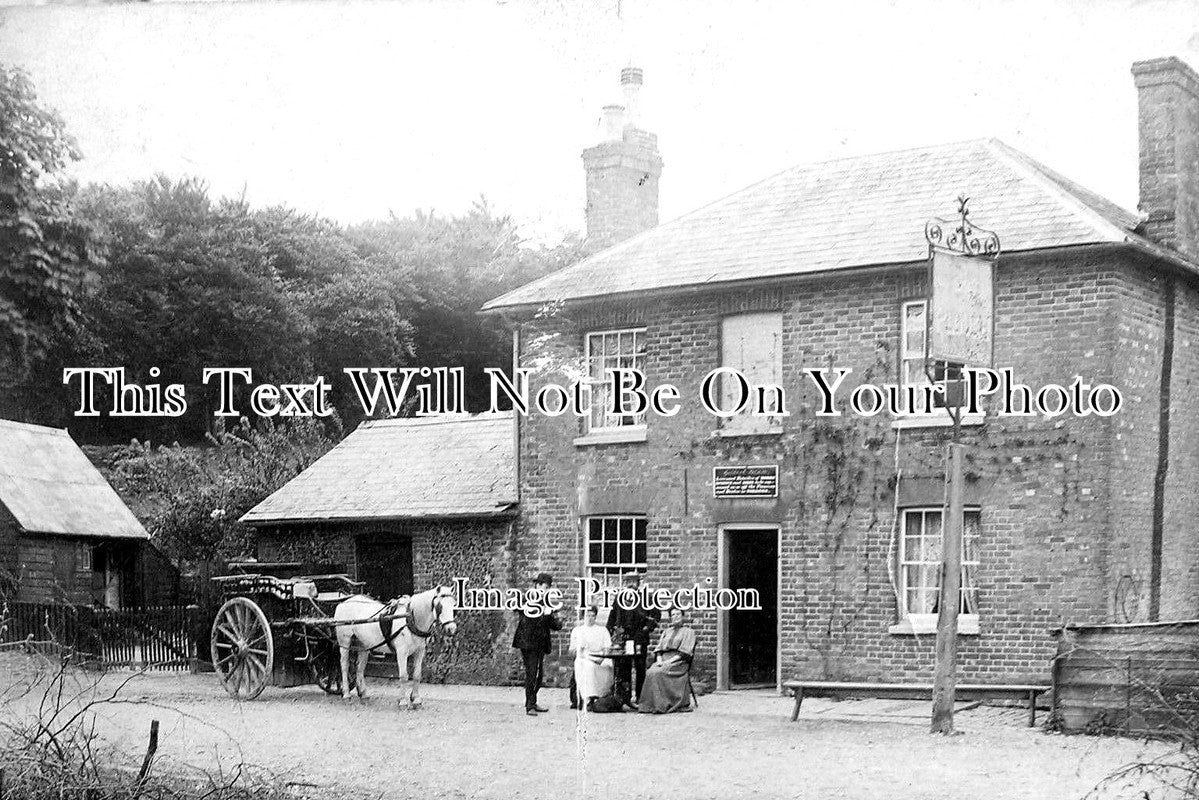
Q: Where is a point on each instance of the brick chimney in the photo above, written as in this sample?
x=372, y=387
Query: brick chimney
x=622, y=172
x=1168, y=92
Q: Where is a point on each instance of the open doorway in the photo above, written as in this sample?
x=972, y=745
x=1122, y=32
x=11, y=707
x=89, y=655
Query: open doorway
x=749, y=638
x=385, y=565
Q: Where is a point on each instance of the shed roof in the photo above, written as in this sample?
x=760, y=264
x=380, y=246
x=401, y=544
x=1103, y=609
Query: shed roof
x=451, y=466
x=850, y=212
x=50, y=486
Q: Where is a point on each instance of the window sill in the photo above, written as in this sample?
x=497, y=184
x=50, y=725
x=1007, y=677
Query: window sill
x=935, y=421
x=725, y=433
x=920, y=624
x=627, y=435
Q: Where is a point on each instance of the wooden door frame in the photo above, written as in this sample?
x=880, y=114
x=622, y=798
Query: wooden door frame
x=724, y=534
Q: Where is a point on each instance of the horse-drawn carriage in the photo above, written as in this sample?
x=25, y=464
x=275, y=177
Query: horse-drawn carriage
x=299, y=630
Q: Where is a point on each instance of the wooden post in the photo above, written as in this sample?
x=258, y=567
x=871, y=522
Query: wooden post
x=151, y=749
x=945, y=679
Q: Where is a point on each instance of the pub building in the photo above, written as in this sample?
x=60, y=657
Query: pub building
x=836, y=521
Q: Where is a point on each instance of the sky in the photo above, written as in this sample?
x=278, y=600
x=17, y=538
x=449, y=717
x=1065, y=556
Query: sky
x=354, y=110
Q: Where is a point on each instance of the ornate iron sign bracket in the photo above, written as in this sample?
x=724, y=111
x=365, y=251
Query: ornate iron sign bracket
x=961, y=235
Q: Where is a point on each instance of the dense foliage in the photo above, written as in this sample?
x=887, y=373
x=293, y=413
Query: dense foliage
x=47, y=252
x=190, y=498
x=191, y=282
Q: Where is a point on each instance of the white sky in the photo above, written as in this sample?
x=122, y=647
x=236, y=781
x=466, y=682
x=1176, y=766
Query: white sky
x=352, y=109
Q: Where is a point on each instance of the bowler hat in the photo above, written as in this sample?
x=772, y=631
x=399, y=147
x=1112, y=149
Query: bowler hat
x=544, y=577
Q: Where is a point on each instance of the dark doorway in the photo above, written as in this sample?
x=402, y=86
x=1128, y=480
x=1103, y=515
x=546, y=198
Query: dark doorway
x=753, y=635
x=385, y=565
x=113, y=581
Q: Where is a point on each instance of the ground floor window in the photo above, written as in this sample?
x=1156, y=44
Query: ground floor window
x=616, y=546
x=920, y=562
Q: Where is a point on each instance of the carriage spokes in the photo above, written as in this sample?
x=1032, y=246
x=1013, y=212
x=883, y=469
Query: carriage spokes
x=242, y=648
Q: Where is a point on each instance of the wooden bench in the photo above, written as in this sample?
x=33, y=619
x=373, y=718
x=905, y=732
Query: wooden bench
x=967, y=691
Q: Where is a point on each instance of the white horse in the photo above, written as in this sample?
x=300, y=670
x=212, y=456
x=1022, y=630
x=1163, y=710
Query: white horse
x=406, y=636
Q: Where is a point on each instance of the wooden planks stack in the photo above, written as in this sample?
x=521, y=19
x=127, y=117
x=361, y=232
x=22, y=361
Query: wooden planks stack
x=1138, y=678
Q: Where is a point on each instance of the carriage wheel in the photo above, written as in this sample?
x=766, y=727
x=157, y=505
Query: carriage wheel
x=243, y=649
x=326, y=671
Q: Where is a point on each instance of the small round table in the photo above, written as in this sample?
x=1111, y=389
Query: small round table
x=622, y=689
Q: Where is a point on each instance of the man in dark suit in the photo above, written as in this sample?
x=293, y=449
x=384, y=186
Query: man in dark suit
x=636, y=623
x=534, y=641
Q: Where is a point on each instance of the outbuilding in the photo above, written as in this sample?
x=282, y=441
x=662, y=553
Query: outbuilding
x=403, y=505
x=66, y=537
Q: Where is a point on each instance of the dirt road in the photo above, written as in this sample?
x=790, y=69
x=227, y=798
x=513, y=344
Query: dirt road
x=476, y=742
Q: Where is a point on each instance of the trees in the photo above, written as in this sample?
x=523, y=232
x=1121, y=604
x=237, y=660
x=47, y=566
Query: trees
x=47, y=253
x=457, y=264
x=190, y=283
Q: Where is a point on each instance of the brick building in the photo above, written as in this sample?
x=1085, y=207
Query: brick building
x=1068, y=518
x=404, y=505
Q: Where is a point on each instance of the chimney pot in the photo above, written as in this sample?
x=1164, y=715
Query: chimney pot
x=613, y=122
x=630, y=81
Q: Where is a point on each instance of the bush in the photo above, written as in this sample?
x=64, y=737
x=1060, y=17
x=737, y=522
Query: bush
x=190, y=498
x=50, y=745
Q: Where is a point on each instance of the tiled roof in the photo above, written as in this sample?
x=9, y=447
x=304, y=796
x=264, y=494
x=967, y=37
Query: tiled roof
x=49, y=486
x=451, y=466
x=841, y=214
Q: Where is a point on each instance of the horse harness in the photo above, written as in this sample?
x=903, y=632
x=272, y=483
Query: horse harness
x=391, y=632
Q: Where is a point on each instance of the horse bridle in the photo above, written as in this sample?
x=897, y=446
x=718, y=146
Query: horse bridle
x=410, y=620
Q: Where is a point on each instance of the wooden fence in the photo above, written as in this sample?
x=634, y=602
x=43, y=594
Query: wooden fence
x=143, y=638
x=47, y=623
x=159, y=638
x=1138, y=679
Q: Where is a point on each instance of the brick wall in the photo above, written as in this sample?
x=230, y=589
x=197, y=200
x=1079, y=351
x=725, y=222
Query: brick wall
x=1066, y=502
x=1180, y=559
x=622, y=188
x=479, y=550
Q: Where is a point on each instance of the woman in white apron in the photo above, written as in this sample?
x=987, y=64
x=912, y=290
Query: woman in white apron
x=593, y=674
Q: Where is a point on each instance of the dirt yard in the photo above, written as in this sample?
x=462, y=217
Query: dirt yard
x=476, y=742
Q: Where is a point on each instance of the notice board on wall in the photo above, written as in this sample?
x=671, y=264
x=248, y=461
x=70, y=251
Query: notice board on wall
x=746, y=481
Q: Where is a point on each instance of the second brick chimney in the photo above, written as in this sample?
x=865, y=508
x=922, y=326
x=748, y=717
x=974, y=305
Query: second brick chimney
x=1168, y=93
x=622, y=172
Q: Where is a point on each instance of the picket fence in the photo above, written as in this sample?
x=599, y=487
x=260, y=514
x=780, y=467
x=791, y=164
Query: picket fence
x=162, y=638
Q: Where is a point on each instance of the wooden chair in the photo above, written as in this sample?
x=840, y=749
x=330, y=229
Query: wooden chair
x=690, y=687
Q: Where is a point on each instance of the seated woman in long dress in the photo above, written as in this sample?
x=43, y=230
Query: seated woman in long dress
x=593, y=674
x=666, y=687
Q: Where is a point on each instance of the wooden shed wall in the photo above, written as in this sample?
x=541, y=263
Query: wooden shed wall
x=1139, y=679
x=50, y=570
x=8, y=549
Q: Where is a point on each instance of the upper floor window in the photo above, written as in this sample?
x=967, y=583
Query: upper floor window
x=913, y=343
x=608, y=350
x=752, y=344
